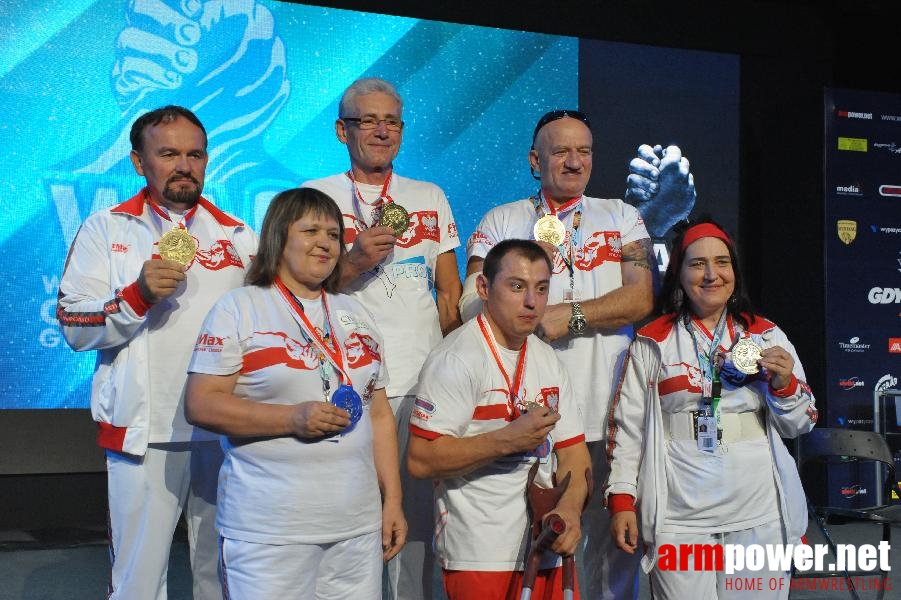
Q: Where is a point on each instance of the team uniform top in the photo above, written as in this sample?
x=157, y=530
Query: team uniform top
x=592, y=360
x=482, y=523
x=738, y=485
x=286, y=490
x=138, y=388
x=399, y=291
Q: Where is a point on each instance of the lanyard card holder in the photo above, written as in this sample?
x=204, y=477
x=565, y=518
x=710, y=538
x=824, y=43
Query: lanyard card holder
x=706, y=432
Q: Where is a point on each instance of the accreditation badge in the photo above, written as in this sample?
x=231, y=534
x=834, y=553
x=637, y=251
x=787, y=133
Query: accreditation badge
x=706, y=428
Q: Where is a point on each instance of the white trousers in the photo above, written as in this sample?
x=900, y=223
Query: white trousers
x=604, y=571
x=410, y=574
x=147, y=496
x=346, y=570
x=717, y=585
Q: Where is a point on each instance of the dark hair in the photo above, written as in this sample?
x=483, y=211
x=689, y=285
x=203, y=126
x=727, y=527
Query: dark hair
x=525, y=248
x=165, y=114
x=556, y=115
x=284, y=210
x=672, y=296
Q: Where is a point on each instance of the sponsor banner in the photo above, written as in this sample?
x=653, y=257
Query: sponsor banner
x=862, y=262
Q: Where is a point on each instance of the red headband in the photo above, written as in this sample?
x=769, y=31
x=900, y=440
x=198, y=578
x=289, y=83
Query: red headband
x=701, y=230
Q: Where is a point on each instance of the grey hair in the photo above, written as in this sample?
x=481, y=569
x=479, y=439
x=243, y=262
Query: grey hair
x=368, y=85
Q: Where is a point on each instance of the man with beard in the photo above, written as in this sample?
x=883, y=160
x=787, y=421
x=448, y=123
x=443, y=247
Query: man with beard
x=132, y=290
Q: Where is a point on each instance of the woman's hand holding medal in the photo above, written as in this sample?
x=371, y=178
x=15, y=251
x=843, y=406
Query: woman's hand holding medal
x=315, y=419
x=779, y=365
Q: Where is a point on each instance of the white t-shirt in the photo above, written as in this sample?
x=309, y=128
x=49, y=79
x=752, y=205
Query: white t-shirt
x=482, y=523
x=216, y=269
x=592, y=360
x=284, y=490
x=399, y=291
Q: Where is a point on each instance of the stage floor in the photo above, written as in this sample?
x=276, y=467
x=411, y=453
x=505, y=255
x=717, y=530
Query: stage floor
x=73, y=564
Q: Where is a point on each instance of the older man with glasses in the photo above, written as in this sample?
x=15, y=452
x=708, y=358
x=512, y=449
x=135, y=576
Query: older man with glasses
x=401, y=237
x=602, y=283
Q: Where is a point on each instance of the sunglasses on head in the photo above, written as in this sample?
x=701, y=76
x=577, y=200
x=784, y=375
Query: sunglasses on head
x=556, y=115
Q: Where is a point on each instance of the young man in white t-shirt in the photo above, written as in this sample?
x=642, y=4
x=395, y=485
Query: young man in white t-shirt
x=492, y=400
x=600, y=285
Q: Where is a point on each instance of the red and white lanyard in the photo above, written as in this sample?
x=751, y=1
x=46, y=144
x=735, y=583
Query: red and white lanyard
x=567, y=254
x=359, y=201
x=327, y=346
x=165, y=214
x=513, y=387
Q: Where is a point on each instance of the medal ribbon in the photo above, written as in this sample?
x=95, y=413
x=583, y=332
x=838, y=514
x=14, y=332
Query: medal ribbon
x=707, y=363
x=514, y=386
x=327, y=346
x=574, y=240
x=358, y=199
x=164, y=213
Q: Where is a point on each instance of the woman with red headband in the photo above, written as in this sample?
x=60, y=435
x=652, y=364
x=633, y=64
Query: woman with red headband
x=709, y=390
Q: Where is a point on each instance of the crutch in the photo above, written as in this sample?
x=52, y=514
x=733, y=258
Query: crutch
x=540, y=502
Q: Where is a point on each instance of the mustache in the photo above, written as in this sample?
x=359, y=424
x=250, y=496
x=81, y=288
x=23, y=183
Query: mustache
x=177, y=176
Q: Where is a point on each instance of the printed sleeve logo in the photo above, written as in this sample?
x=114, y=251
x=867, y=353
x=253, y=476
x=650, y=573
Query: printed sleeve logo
x=477, y=238
x=424, y=405
x=209, y=343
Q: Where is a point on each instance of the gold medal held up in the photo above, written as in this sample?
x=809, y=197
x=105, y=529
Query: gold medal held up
x=550, y=229
x=178, y=245
x=745, y=355
x=396, y=217
x=532, y=405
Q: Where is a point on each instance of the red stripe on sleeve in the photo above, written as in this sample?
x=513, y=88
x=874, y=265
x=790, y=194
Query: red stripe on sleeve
x=424, y=433
x=491, y=412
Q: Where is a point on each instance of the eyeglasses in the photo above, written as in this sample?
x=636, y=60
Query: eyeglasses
x=391, y=124
x=555, y=115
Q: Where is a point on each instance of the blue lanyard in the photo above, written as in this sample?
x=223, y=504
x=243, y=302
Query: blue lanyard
x=707, y=363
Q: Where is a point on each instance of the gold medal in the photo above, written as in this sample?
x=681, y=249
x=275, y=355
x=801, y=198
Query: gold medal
x=532, y=405
x=396, y=217
x=745, y=355
x=550, y=229
x=178, y=245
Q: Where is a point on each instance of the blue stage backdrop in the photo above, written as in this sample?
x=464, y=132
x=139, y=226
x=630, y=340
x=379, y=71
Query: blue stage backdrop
x=265, y=77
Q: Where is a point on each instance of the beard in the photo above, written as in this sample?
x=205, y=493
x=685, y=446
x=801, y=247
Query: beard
x=180, y=195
